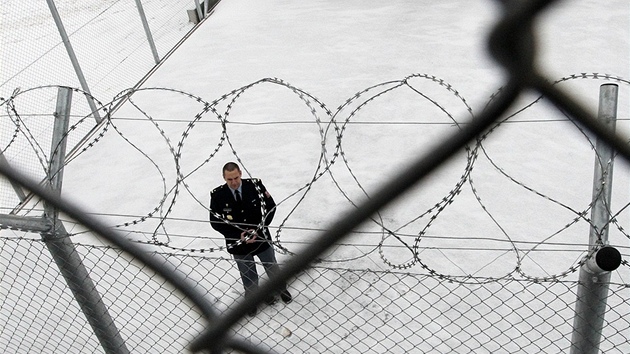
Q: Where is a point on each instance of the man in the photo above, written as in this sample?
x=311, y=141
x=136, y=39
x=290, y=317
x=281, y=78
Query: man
x=241, y=211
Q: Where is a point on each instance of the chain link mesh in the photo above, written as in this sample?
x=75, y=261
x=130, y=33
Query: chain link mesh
x=337, y=309
x=412, y=306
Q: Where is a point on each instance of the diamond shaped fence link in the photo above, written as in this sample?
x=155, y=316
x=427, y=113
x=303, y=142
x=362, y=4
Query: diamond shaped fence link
x=335, y=309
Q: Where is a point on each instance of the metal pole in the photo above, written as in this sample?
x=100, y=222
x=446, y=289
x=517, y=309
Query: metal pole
x=199, y=10
x=25, y=223
x=73, y=58
x=593, y=285
x=58, y=145
x=62, y=249
x=145, y=24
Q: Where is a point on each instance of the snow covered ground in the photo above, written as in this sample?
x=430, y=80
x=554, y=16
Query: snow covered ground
x=325, y=100
x=280, y=132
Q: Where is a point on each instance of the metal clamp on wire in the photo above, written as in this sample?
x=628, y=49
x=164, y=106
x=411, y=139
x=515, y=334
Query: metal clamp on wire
x=606, y=259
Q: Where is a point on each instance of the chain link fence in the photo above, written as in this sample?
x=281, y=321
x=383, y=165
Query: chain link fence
x=112, y=54
x=337, y=310
x=168, y=291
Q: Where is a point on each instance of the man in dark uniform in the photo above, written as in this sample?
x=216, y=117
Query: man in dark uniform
x=241, y=210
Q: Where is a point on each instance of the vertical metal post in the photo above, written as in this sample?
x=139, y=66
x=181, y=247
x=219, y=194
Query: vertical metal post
x=62, y=249
x=73, y=58
x=199, y=10
x=593, y=286
x=147, y=30
x=58, y=145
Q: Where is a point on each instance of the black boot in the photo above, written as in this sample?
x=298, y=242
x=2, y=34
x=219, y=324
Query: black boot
x=286, y=297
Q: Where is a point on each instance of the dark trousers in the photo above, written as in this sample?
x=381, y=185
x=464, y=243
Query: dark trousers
x=247, y=267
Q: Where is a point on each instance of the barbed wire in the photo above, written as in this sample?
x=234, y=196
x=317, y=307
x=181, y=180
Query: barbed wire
x=511, y=44
x=330, y=125
x=562, y=246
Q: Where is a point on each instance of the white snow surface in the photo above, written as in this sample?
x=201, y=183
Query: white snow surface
x=330, y=52
x=369, y=85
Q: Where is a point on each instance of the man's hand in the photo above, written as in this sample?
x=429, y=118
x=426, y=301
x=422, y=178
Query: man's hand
x=251, y=233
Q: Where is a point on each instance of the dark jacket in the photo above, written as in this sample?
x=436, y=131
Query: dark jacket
x=231, y=218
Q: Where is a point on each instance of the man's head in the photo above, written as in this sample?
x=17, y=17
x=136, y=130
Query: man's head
x=232, y=175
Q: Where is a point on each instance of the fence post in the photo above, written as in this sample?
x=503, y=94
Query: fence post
x=592, y=289
x=199, y=10
x=62, y=249
x=73, y=58
x=147, y=30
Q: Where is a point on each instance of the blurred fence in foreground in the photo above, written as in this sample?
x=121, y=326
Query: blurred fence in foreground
x=161, y=301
